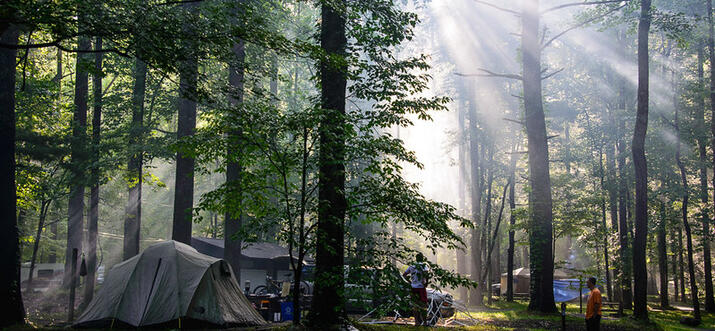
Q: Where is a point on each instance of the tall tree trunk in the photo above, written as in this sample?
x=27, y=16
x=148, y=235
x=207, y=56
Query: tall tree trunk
x=476, y=294
x=75, y=210
x=462, y=265
x=686, y=224
x=640, y=275
x=44, y=206
x=681, y=266
x=612, y=192
x=184, y=191
x=496, y=256
x=625, y=263
x=709, y=300
x=12, y=310
x=512, y=221
x=233, y=218
x=328, y=310
x=541, y=294
x=663, y=258
x=674, y=253
x=93, y=220
x=135, y=165
x=604, y=226
x=487, y=224
x=52, y=258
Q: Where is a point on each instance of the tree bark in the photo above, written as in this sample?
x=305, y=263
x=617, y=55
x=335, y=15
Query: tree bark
x=541, y=294
x=487, y=224
x=663, y=258
x=612, y=191
x=52, y=258
x=233, y=219
x=462, y=264
x=686, y=224
x=476, y=293
x=681, y=266
x=135, y=165
x=12, y=310
x=640, y=275
x=93, y=220
x=674, y=252
x=512, y=221
x=604, y=225
x=709, y=300
x=184, y=191
x=44, y=206
x=75, y=210
x=328, y=304
x=625, y=276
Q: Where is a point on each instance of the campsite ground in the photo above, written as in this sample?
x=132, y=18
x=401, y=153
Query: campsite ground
x=48, y=310
x=514, y=316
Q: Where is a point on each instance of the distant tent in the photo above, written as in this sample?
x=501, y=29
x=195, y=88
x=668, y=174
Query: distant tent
x=521, y=281
x=170, y=284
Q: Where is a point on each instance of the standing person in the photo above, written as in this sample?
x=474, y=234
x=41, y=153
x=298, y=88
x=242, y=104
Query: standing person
x=593, y=308
x=418, y=281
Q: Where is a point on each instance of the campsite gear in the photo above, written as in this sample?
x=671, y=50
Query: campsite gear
x=267, y=305
x=83, y=267
x=287, y=310
x=170, y=284
x=569, y=289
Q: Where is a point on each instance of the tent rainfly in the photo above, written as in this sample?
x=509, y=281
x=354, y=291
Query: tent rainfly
x=170, y=284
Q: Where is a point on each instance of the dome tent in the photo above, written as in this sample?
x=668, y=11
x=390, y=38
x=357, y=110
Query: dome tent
x=170, y=284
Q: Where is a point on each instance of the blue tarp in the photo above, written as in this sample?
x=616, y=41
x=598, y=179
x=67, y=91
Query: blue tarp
x=567, y=289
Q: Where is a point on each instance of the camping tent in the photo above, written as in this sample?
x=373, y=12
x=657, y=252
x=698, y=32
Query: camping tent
x=521, y=281
x=170, y=284
x=522, y=278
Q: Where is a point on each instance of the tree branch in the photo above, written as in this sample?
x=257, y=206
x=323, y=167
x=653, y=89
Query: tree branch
x=497, y=7
x=580, y=25
x=490, y=74
x=109, y=85
x=56, y=43
x=178, y=2
x=552, y=74
x=515, y=121
x=581, y=4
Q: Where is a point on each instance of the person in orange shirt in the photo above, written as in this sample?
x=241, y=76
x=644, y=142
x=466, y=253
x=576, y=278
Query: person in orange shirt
x=593, y=308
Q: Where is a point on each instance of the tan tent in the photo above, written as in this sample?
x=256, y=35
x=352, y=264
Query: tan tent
x=170, y=284
x=521, y=281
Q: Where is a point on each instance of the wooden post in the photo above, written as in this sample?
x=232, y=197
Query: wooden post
x=73, y=285
x=563, y=316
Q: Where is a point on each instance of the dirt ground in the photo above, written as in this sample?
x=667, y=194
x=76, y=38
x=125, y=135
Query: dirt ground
x=49, y=307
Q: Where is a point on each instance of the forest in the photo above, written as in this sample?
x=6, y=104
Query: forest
x=305, y=153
